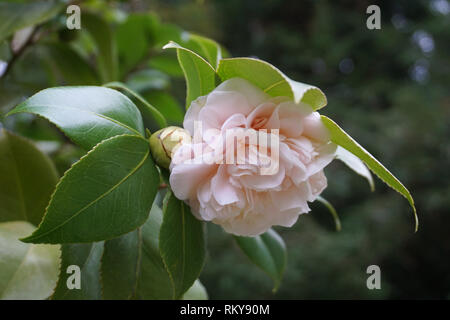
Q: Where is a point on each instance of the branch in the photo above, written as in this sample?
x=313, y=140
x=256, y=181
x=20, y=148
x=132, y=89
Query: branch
x=19, y=53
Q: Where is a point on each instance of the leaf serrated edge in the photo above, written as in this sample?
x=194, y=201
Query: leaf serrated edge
x=368, y=178
x=155, y=112
x=65, y=173
x=327, y=122
x=81, y=268
x=135, y=131
x=50, y=297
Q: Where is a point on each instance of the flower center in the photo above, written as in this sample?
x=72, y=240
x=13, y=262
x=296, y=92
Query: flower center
x=259, y=123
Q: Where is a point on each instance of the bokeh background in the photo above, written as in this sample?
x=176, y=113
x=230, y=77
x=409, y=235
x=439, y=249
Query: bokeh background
x=388, y=88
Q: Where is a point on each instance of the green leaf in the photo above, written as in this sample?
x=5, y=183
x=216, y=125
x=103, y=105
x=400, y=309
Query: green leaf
x=154, y=280
x=87, y=257
x=27, y=271
x=132, y=266
x=167, y=105
x=196, y=292
x=147, y=107
x=354, y=163
x=268, y=252
x=100, y=112
x=200, y=75
x=105, y=41
x=168, y=32
x=271, y=80
x=28, y=178
x=134, y=37
x=341, y=138
x=15, y=16
x=120, y=266
x=332, y=210
x=208, y=48
x=109, y=192
x=148, y=79
x=182, y=244
x=69, y=64
x=167, y=63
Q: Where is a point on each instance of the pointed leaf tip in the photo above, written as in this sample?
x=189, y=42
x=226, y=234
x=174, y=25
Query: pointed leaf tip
x=341, y=138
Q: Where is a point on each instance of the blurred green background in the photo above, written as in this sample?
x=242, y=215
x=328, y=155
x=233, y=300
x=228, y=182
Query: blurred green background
x=388, y=88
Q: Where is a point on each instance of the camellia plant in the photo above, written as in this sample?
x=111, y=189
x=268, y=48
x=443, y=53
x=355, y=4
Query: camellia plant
x=131, y=213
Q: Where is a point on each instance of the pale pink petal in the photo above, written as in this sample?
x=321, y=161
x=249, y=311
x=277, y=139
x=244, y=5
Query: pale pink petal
x=220, y=106
x=289, y=199
x=237, y=195
x=326, y=154
x=235, y=121
x=192, y=114
x=259, y=116
x=254, y=95
x=185, y=178
x=222, y=190
x=314, y=128
x=317, y=182
x=263, y=182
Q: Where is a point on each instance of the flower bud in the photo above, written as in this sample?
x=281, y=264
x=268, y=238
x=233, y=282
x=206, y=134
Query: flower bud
x=164, y=143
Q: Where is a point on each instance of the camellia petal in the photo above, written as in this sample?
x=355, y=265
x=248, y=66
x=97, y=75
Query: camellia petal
x=251, y=131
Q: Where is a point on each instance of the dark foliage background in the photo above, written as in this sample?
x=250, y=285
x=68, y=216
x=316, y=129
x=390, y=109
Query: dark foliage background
x=388, y=88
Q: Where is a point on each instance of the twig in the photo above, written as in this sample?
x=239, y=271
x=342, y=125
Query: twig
x=18, y=53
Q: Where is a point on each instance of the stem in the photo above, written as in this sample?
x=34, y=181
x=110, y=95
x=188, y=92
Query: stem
x=19, y=53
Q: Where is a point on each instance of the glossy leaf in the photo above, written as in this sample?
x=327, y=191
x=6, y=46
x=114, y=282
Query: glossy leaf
x=109, y=192
x=167, y=63
x=271, y=80
x=15, y=16
x=167, y=105
x=154, y=281
x=200, y=75
x=182, y=244
x=341, y=138
x=147, y=79
x=146, y=106
x=268, y=252
x=68, y=64
x=132, y=267
x=136, y=32
x=354, y=163
x=100, y=112
x=27, y=271
x=87, y=257
x=120, y=266
x=106, y=45
x=28, y=178
x=206, y=47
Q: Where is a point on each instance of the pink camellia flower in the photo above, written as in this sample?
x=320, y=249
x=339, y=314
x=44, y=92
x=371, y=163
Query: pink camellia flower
x=237, y=195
